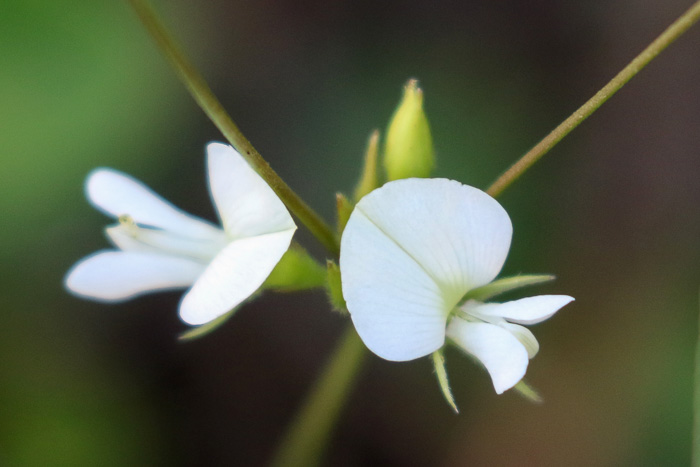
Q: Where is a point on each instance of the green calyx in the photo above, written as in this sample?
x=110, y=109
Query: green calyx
x=408, y=150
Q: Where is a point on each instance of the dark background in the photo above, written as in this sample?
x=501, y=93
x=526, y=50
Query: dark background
x=612, y=211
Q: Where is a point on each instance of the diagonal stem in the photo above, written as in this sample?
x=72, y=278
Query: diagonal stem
x=202, y=93
x=672, y=33
x=695, y=459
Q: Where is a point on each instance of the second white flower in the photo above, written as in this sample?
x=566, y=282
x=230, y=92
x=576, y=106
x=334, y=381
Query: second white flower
x=411, y=251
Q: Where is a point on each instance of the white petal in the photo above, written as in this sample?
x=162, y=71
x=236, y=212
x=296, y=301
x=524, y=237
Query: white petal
x=398, y=310
x=117, y=194
x=498, y=350
x=457, y=233
x=144, y=239
x=118, y=275
x=524, y=335
x=246, y=204
x=528, y=310
x=233, y=275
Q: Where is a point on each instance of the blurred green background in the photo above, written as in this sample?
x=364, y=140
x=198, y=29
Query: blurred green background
x=612, y=211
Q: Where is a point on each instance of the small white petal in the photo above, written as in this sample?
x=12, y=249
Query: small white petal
x=119, y=275
x=524, y=335
x=528, y=310
x=233, y=275
x=457, y=233
x=133, y=238
x=398, y=310
x=117, y=194
x=504, y=357
x=246, y=204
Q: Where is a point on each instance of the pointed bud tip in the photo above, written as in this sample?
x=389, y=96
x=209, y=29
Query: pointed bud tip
x=408, y=150
x=412, y=86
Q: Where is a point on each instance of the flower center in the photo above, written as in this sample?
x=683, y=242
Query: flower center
x=472, y=317
x=129, y=236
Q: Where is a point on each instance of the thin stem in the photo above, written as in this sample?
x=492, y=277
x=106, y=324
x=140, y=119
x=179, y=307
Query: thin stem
x=672, y=33
x=202, y=93
x=696, y=407
x=307, y=437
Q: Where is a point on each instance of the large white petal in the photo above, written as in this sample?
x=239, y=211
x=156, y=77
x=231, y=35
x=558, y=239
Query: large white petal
x=397, y=308
x=457, y=233
x=528, y=310
x=118, y=275
x=246, y=204
x=504, y=357
x=117, y=194
x=233, y=275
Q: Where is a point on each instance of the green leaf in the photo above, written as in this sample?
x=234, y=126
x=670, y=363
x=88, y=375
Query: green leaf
x=334, y=287
x=297, y=270
x=441, y=373
x=369, y=179
x=528, y=392
x=204, y=329
x=506, y=284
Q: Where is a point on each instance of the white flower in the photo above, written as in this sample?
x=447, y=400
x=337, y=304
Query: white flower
x=410, y=253
x=160, y=247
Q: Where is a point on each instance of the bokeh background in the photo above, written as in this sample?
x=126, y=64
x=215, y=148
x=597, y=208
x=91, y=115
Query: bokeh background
x=612, y=211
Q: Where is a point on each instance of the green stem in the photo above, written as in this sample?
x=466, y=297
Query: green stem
x=696, y=407
x=672, y=33
x=202, y=93
x=308, y=435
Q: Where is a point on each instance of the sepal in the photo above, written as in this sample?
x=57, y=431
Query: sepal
x=528, y=392
x=201, y=331
x=297, y=270
x=334, y=287
x=506, y=284
x=369, y=180
x=344, y=208
x=438, y=359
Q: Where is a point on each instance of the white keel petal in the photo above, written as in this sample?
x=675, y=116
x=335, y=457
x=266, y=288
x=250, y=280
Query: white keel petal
x=504, y=357
x=524, y=335
x=119, y=275
x=530, y=310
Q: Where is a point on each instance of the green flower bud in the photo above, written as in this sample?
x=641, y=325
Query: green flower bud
x=408, y=151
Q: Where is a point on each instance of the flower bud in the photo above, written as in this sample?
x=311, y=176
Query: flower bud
x=408, y=151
